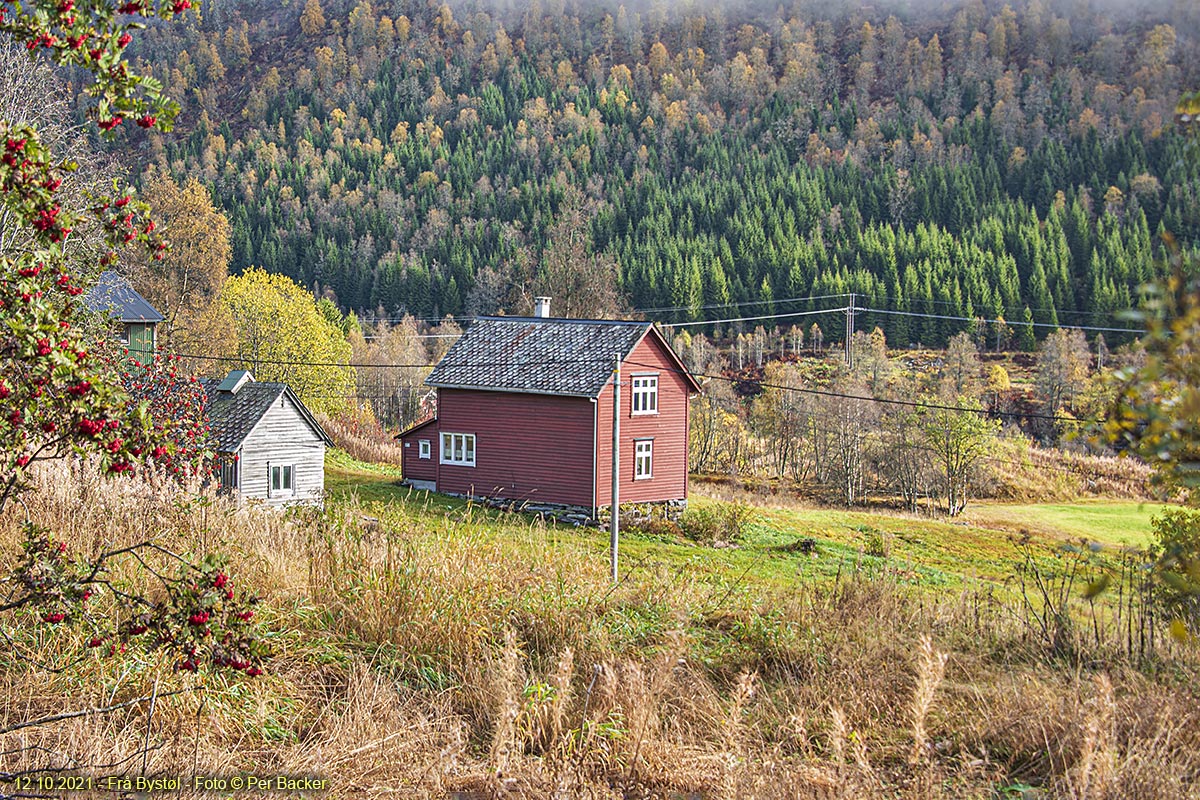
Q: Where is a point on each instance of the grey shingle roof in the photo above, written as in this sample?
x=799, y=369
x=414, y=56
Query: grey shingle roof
x=231, y=416
x=115, y=295
x=523, y=354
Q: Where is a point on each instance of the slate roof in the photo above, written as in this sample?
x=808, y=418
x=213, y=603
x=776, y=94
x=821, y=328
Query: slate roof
x=116, y=296
x=231, y=416
x=538, y=355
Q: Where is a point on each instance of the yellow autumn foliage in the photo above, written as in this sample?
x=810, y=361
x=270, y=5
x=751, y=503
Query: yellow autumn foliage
x=282, y=336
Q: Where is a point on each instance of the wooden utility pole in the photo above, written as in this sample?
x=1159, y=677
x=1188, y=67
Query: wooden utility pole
x=850, y=332
x=614, y=525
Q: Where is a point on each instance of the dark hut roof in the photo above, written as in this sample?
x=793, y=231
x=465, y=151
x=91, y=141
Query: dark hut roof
x=234, y=405
x=114, y=294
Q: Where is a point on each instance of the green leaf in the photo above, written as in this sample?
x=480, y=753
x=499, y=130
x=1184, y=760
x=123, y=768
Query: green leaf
x=1097, y=586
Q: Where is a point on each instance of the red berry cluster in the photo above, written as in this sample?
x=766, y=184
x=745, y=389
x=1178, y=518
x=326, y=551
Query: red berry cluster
x=175, y=403
x=29, y=180
x=48, y=577
x=201, y=622
x=217, y=625
x=124, y=221
x=59, y=29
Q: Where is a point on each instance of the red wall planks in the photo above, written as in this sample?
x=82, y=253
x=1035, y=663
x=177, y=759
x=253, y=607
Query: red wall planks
x=531, y=447
x=667, y=429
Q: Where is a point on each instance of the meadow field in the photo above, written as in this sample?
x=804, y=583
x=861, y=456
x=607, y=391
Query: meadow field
x=426, y=647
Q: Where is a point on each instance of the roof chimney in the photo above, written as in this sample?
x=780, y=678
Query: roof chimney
x=235, y=380
x=541, y=307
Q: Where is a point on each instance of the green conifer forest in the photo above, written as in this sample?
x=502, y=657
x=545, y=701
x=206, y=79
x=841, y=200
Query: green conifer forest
x=974, y=160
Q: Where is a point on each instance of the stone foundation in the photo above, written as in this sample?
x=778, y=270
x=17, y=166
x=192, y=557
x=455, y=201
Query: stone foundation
x=639, y=513
x=631, y=513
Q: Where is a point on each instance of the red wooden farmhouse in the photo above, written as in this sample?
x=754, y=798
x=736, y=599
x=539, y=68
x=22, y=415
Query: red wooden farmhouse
x=525, y=413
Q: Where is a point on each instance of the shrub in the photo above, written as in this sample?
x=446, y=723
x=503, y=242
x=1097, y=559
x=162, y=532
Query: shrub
x=357, y=432
x=876, y=543
x=1177, y=549
x=657, y=526
x=724, y=523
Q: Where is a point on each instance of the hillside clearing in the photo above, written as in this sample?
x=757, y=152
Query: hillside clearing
x=1115, y=522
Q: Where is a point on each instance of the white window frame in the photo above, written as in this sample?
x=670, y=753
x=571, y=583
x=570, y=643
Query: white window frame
x=425, y=447
x=458, y=449
x=643, y=459
x=286, y=483
x=643, y=392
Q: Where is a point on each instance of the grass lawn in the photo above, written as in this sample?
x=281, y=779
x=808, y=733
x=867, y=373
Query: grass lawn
x=344, y=477
x=1108, y=522
x=933, y=554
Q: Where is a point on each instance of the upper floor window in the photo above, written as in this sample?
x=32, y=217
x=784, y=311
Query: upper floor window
x=645, y=394
x=458, y=448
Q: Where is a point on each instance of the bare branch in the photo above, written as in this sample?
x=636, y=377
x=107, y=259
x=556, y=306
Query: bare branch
x=86, y=712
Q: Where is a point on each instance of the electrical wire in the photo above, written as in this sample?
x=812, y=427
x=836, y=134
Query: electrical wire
x=867, y=398
x=1059, y=311
x=996, y=321
x=277, y=362
x=558, y=362
x=786, y=300
x=752, y=319
x=843, y=309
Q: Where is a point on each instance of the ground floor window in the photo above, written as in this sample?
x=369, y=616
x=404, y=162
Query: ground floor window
x=425, y=448
x=282, y=480
x=458, y=449
x=643, y=459
x=229, y=471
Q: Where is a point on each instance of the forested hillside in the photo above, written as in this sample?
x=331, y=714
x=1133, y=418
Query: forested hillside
x=969, y=160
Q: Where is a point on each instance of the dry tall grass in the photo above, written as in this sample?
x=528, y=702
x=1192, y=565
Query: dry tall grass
x=1024, y=472
x=360, y=435
x=426, y=655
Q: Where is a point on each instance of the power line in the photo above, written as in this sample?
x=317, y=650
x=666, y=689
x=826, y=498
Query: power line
x=753, y=319
x=867, y=398
x=373, y=337
x=895, y=312
x=1005, y=322
x=659, y=310
x=782, y=301
x=556, y=362
x=277, y=362
x=789, y=315
x=1059, y=311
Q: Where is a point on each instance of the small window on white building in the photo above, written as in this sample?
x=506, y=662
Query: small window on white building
x=229, y=471
x=645, y=394
x=458, y=449
x=643, y=459
x=425, y=448
x=282, y=480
